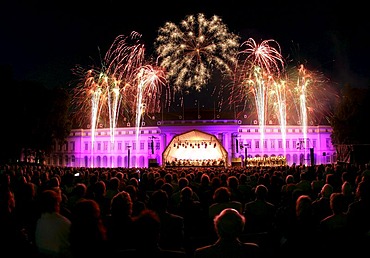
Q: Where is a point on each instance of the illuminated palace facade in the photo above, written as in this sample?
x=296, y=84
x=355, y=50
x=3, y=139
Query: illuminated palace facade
x=196, y=143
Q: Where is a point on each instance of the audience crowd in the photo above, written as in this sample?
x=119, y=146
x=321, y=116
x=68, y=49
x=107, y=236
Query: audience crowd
x=190, y=212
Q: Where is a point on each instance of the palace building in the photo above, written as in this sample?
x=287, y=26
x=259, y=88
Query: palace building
x=196, y=143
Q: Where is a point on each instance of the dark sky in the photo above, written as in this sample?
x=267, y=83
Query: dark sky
x=43, y=40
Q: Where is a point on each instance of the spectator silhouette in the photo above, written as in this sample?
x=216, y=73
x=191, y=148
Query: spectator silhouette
x=204, y=191
x=137, y=204
x=27, y=209
x=113, y=187
x=302, y=239
x=119, y=223
x=348, y=193
x=79, y=192
x=221, y=201
x=233, y=185
x=146, y=238
x=244, y=188
x=195, y=220
x=259, y=213
x=175, y=197
x=304, y=184
x=88, y=234
x=14, y=241
x=52, y=229
x=229, y=225
x=100, y=196
x=321, y=206
x=334, y=228
x=172, y=225
x=358, y=217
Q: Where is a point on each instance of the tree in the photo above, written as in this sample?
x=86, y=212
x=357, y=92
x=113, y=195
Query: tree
x=350, y=118
x=33, y=117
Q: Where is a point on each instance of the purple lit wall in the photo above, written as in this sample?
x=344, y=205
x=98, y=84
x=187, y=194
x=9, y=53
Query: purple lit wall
x=225, y=140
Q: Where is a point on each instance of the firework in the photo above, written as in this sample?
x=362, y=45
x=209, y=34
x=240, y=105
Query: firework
x=189, y=52
x=123, y=80
x=266, y=55
x=148, y=81
x=258, y=72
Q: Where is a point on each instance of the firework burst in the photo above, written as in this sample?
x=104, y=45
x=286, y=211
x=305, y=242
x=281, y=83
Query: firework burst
x=123, y=81
x=266, y=55
x=189, y=52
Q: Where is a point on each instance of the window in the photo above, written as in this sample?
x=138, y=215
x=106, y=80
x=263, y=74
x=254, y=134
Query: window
x=328, y=143
x=280, y=144
x=126, y=145
x=257, y=144
x=157, y=145
x=72, y=146
x=86, y=146
x=314, y=142
x=119, y=145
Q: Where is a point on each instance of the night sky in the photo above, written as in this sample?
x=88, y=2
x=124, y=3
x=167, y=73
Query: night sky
x=43, y=40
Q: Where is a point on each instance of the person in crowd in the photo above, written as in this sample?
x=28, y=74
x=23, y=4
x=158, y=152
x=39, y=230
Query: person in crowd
x=113, y=187
x=334, y=228
x=88, y=234
x=358, y=215
x=168, y=188
x=146, y=238
x=317, y=183
x=15, y=240
x=137, y=204
x=175, y=197
x=52, y=230
x=221, y=201
x=27, y=210
x=304, y=184
x=348, y=193
x=232, y=182
x=172, y=225
x=259, y=213
x=119, y=223
x=245, y=188
x=229, y=225
x=79, y=192
x=288, y=187
x=274, y=187
x=321, y=205
x=204, y=191
x=195, y=219
x=302, y=239
x=100, y=196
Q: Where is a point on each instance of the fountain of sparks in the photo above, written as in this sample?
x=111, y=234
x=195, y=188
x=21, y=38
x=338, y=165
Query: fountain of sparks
x=279, y=94
x=261, y=66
